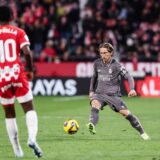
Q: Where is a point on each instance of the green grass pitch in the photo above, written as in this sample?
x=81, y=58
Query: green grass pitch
x=115, y=138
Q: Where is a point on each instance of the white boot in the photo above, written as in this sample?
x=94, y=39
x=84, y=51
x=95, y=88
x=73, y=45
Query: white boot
x=145, y=136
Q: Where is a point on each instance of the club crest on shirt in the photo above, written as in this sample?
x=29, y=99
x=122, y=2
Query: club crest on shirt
x=110, y=70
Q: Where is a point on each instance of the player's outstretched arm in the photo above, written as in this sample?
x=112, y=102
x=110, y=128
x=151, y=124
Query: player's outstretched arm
x=126, y=74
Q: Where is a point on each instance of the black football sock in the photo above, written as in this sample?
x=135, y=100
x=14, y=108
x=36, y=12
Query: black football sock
x=94, y=115
x=135, y=123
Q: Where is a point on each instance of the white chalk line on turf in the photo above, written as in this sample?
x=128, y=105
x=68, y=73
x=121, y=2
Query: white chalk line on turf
x=61, y=117
x=64, y=99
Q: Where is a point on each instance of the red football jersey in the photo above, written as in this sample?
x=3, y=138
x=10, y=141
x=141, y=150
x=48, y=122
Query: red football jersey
x=12, y=39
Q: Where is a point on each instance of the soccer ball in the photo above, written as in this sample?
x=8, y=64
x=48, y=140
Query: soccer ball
x=71, y=126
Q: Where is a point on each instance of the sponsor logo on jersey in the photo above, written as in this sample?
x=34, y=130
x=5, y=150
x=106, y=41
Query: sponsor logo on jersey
x=110, y=71
x=3, y=89
x=7, y=73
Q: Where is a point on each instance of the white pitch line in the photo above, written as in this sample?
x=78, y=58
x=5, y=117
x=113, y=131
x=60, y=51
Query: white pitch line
x=74, y=98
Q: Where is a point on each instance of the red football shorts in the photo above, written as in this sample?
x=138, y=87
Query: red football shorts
x=17, y=89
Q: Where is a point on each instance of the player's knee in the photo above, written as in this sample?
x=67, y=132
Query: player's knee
x=124, y=112
x=27, y=106
x=9, y=111
x=96, y=104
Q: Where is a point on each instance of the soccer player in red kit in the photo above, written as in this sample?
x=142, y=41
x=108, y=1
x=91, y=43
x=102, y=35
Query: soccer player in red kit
x=14, y=81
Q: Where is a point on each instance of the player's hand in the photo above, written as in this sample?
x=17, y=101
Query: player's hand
x=132, y=93
x=30, y=75
x=91, y=94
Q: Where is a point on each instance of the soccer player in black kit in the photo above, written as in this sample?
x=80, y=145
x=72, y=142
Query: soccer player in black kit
x=105, y=89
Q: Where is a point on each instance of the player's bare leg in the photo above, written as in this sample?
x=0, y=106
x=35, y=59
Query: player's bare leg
x=12, y=129
x=135, y=123
x=94, y=116
x=32, y=126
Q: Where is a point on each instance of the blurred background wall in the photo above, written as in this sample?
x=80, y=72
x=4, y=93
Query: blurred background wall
x=64, y=36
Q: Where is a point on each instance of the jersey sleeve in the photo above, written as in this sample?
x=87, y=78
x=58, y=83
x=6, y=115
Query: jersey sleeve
x=123, y=70
x=126, y=75
x=93, y=79
x=23, y=39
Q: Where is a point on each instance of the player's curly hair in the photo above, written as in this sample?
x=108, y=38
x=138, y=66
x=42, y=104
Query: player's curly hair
x=6, y=13
x=106, y=45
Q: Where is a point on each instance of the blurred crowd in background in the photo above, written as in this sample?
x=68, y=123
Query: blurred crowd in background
x=71, y=30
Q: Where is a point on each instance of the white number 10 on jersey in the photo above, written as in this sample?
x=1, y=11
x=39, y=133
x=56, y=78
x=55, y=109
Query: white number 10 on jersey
x=7, y=50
